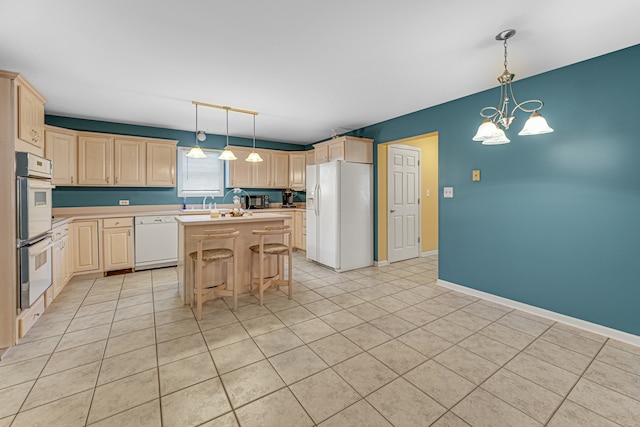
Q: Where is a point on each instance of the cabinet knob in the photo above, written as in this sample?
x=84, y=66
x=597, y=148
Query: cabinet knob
x=72, y=179
x=107, y=179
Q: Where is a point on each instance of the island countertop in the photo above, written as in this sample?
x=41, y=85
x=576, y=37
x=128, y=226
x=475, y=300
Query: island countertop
x=206, y=219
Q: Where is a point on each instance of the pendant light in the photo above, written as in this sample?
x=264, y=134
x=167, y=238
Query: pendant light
x=254, y=157
x=489, y=131
x=196, y=152
x=227, y=154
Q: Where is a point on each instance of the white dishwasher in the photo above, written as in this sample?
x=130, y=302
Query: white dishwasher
x=156, y=242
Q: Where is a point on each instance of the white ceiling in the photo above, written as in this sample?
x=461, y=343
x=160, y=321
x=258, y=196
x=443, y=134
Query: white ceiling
x=306, y=66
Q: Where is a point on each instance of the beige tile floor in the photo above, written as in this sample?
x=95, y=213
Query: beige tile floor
x=373, y=347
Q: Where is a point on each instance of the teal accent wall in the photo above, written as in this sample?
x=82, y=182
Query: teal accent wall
x=110, y=196
x=555, y=220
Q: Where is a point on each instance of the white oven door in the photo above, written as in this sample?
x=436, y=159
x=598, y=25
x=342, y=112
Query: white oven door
x=34, y=207
x=35, y=271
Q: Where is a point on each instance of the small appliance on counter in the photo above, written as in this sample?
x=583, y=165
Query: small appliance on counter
x=287, y=199
x=256, y=202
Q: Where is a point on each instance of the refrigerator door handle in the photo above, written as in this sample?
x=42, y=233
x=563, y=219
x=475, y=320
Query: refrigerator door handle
x=316, y=205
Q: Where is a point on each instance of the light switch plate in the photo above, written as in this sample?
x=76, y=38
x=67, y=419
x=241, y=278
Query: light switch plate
x=448, y=192
x=475, y=175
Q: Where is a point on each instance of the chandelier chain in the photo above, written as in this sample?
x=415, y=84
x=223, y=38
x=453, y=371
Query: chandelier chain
x=505, y=54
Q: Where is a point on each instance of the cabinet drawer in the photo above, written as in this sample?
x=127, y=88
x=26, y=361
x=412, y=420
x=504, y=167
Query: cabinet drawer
x=117, y=222
x=30, y=316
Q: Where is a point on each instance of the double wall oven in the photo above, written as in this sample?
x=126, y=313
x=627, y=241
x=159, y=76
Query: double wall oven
x=35, y=240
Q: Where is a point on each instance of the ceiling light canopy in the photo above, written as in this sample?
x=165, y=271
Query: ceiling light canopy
x=489, y=132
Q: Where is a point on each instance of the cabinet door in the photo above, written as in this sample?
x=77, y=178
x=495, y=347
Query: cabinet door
x=60, y=148
x=68, y=248
x=262, y=171
x=57, y=265
x=94, y=160
x=30, y=117
x=280, y=170
x=85, y=246
x=240, y=172
x=311, y=157
x=321, y=153
x=336, y=151
x=129, y=161
x=161, y=164
x=297, y=171
x=118, y=248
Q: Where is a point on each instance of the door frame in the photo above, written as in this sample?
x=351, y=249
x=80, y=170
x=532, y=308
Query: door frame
x=429, y=142
x=419, y=190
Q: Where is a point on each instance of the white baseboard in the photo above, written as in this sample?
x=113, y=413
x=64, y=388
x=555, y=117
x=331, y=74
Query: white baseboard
x=381, y=263
x=429, y=253
x=552, y=315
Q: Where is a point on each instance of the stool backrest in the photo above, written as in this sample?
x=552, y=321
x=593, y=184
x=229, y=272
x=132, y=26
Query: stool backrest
x=274, y=230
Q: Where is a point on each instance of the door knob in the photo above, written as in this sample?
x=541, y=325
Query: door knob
x=392, y=210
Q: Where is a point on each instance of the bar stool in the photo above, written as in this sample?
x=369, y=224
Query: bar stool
x=263, y=250
x=204, y=257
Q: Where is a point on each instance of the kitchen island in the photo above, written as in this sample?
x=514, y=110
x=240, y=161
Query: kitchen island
x=189, y=225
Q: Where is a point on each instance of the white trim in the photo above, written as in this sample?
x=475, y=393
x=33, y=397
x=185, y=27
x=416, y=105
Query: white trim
x=568, y=320
x=429, y=253
x=381, y=263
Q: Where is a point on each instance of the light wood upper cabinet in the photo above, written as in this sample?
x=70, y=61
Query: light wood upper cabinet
x=279, y=169
x=161, y=164
x=347, y=148
x=104, y=160
x=61, y=150
x=95, y=160
x=129, y=161
x=262, y=173
x=85, y=246
x=311, y=157
x=30, y=115
x=239, y=172
x=321, y=152
x=117, y=244
x=297, y=171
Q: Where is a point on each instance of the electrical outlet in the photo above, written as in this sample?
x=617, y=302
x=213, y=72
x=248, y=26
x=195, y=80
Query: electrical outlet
x=448, y=192
x=124, y=203
x=475, y=175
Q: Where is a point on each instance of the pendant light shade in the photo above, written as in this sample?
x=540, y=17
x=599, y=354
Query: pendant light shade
x=535, y=125
x=487, y=129
x=196, y=152
x=253, y=156
x=498, y=138
x=227, y=154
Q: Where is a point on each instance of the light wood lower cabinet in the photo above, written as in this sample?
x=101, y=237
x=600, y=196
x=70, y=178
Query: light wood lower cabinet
x=117, y=243
x=85, y=245
x=300, y=230
x=60, y=256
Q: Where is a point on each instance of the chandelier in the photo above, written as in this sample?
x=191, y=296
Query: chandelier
x=489, y=131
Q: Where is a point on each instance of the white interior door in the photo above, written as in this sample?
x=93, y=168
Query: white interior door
x=404, y=205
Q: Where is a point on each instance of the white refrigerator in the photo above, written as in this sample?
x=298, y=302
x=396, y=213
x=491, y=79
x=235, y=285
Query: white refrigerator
x=340, y=214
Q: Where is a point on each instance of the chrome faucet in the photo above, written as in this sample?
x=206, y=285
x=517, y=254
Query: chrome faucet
x=205, y=199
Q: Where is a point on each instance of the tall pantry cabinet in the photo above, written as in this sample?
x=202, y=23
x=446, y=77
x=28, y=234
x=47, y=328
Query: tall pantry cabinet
x=21, y=129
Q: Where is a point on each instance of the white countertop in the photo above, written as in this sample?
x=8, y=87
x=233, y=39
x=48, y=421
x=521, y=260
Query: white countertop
x=206, y=219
